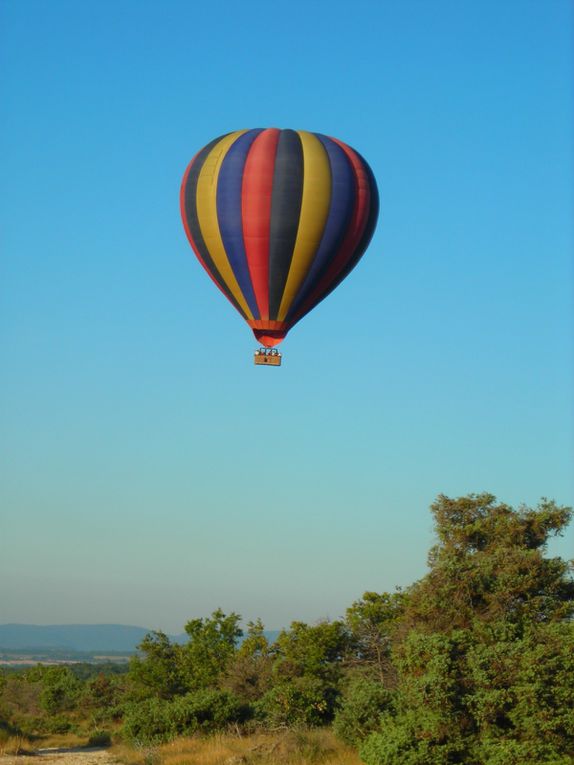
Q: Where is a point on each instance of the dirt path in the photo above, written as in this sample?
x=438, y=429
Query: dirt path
x=75, y=756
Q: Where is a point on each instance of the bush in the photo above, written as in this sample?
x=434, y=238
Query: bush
x=100, y=738
x=399, y=742
x=155, y=721
x=58, y=724
x=149, y=722
x=304, y=701
x=360, y=710
x=99, y=692
x=207, y=711
x=31, y=726
x=60, y=690
x=8, y=730
x=509, y=752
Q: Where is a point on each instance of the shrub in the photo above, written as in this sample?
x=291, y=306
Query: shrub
x=60, y=689
x=58, y=724
x=100, y=738
x=400, y=742
x=149, y=722
x=8, y=730
x=207, y=711
x=360, y=710
x=303, y=701
x=512, y=752
x=154, y=721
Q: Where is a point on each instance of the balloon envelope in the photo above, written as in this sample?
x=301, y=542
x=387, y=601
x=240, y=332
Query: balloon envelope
x=278, y=218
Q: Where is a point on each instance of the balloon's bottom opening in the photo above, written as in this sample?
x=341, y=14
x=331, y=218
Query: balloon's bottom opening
x=269, y=337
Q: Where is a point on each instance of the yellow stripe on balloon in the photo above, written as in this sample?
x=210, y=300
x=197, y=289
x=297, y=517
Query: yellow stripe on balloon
x=206, y=203
x=314, y=211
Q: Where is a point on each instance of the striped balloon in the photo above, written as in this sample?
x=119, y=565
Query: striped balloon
x=278, y=218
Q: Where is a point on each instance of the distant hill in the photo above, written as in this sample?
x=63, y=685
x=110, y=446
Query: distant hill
x=79, y=637
x=71, y=637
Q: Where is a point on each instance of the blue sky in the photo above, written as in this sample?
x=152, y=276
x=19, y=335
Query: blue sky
x=150, y=473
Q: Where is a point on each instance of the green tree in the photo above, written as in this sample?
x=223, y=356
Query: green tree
x=166, y=670
x=523, y=696
x=372, y=622
x=60, y=690
x=100, y=692
x=249, y=673
x=157, y=671
x=485, y=666
x=211, y=646
x=311, y=650
x=307, y=667
x=489, y=566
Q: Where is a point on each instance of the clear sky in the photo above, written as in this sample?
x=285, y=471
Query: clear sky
x=151, y=473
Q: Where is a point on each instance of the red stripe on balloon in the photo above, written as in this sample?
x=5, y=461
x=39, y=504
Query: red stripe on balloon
x=256, y=195
x=353, y=235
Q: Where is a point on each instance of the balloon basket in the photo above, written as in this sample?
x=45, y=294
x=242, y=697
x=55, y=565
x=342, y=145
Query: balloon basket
x=269, y=356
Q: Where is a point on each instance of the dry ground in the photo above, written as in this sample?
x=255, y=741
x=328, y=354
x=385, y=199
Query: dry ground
x=61, y=757
x=319, y=747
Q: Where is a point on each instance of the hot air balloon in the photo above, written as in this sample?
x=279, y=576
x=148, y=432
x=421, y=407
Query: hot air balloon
x=277, y=218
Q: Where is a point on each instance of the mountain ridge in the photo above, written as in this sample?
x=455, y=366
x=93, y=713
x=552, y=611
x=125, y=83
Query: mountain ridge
x=72, y=637
x=80, y=637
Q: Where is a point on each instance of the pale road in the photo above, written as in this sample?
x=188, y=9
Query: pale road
x=61, y=757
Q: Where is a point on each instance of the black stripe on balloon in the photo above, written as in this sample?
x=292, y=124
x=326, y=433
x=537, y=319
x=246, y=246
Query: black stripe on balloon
x=190, y=207
x=287, y=194
x=363, y=242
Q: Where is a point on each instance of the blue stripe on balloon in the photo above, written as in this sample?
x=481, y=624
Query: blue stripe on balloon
x=340, y=211
x=369, y=226
x=229, y=213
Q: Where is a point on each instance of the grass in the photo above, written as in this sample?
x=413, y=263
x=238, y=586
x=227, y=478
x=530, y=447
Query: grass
x=312, y=747
x=286, y=747
x=15, y=745
x=21, y=744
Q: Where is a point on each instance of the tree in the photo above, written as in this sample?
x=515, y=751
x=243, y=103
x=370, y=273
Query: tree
x=307, y=666
x=60, y=690
x=100, y=692
x=211, y=646
x=158, y=671
x=485, y=663
x=372, y=621
x=489, y=566
x=248, y=675
x=311, y=650
x=166, y=670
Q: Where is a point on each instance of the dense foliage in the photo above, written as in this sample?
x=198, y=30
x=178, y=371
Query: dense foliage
x=485, y=656
x=473, y=664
